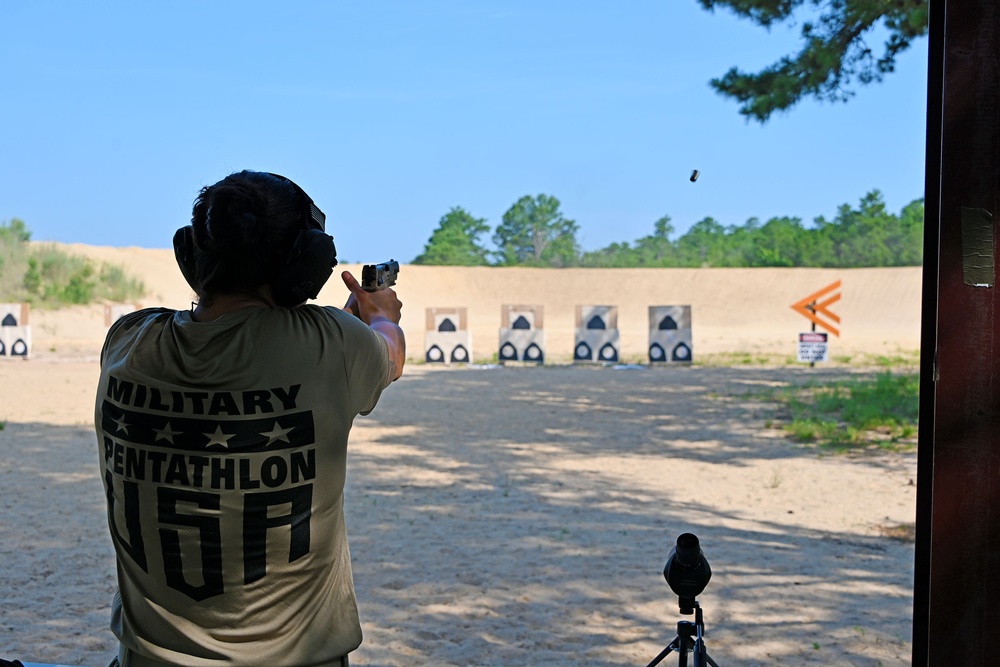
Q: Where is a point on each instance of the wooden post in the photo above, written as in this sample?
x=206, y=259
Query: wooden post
x=957, y=562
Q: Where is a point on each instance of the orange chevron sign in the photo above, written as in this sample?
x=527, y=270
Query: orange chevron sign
x=811, y=307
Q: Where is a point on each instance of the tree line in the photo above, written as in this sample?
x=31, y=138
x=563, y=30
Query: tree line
x=533, y=232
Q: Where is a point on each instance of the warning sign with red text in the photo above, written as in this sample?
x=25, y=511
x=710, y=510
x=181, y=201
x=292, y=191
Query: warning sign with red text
x=813, y=347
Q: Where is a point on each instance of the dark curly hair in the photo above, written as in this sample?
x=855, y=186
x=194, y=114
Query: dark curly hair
x=244, y=228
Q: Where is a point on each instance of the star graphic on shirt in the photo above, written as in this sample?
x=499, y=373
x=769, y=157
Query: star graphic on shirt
x=122, y=426
x=218, y=438
x=278, y=433
x=166, y=433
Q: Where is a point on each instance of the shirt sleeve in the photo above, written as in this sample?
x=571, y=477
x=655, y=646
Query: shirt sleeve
x=366, y=358
x=124, y=324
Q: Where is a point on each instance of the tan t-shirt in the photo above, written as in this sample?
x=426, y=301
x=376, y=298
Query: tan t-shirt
x=223, y=448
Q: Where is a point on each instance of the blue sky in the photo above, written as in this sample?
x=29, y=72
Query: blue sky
x=114, y=114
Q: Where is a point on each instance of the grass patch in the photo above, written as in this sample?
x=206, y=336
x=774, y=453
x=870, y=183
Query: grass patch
x=879, y=411
x=895, y=360
x=902, y=532
x=730, y=359
x=45, y=275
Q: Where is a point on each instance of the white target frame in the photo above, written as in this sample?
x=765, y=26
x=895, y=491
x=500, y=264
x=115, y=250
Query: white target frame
x=597, y=339
x=447, y=339
x=671, y=340
x=15, y=332
x=522, y=336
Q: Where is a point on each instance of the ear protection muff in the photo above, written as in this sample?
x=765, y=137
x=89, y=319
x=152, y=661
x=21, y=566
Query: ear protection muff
x=311, y=261
x=184, y=253
x=309, y=265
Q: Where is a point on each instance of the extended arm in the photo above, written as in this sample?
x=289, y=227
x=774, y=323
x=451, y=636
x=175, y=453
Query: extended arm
x=380, y=310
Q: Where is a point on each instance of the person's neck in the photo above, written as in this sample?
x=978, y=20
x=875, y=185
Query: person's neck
x=223, y=304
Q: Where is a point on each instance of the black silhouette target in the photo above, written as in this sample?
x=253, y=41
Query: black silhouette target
x=668, y=324
x=534, y=353
x=508, y=352
x=608, y=353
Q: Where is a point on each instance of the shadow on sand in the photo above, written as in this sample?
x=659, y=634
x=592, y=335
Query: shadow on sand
x=523, y=516
x=514, y=516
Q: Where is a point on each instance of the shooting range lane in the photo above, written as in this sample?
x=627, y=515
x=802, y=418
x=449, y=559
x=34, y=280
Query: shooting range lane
x=522, y=516
x=732, y=310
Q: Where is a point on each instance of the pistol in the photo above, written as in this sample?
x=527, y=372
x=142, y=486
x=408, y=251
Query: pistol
x=375, y=277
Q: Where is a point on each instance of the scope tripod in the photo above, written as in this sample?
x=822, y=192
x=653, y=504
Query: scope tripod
x=690, y=638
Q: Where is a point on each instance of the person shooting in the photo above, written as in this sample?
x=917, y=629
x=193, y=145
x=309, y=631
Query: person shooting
x=223, y=432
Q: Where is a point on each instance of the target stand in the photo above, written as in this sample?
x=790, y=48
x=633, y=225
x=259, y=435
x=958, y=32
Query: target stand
x=15, y=332
x=597, y=338
x=522, y=337
x=447, y=339
x=670, y=337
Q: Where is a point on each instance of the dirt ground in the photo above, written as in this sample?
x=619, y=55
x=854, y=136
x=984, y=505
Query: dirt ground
x=506, y=516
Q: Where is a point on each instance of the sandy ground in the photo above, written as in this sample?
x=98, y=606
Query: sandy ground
x=523, y=515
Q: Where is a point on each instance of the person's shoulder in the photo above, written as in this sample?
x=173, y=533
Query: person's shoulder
x=139, y=318
x=307, y=318
x=131, y=325
x=317, y=311
x=328, y=315
x=344, y=323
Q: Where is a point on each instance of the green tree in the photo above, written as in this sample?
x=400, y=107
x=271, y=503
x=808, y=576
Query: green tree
x=14, y=232
x=740, y=242
x=614, y=256
x=455, y=241
x=911, y=242
x=653, y=250
x=535, y=233
x=703, y=245
x=834, y=55
x=14, y=250
x=867, y=235
x=55, y=276
x=779, y=242
x=657, y=249
x=871, y=236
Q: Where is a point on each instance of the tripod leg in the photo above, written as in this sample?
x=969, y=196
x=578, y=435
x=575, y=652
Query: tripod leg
x=672, y=646
x=701, y=655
